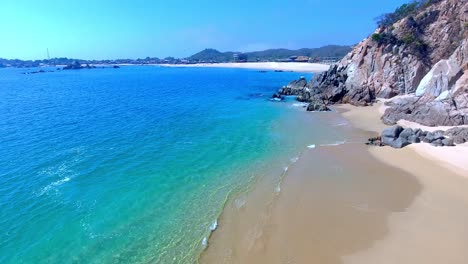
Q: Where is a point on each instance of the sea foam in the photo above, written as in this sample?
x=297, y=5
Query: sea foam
x=213, y=227
x=337, y=143
x=53, y=184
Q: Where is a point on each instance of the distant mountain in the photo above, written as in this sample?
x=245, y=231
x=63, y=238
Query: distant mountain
x=212, y=55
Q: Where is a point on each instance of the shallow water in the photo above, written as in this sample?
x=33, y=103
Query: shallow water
x=334, y=200
x=134, y=165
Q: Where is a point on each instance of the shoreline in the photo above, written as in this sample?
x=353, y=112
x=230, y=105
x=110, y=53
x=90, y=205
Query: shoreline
x=448, y=157
x=276, y=66
x=437, y=213
x=281, y=234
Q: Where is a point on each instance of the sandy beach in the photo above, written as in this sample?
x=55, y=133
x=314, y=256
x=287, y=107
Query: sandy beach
x=452, y=158
x=352, y=203
x=437, y=214
x=277, y=66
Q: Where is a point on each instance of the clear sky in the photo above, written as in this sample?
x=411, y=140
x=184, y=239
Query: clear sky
x=106, y=29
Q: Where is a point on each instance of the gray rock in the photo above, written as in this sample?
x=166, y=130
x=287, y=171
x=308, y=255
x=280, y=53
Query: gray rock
x=388, y=140
x=414, y=139
x=392, y=132
x=439, y=134
x=437, y=143
x=395, y=143
x=448, y=142
x=317, y=107
x=425, y=112
x=400, y=143
x=407, y=133
x=458, y=134
x=429, y=137
x=418, y=132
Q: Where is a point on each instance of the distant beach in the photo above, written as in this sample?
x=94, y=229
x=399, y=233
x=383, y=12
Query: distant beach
x=273, y=66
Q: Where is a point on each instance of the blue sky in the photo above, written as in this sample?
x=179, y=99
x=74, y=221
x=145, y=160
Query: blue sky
x=93, y=29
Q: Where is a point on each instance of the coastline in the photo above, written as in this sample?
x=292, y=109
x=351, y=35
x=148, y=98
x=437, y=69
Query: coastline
x=368, y=118
x=391, y=215
x=438, y=212
x=277, y=66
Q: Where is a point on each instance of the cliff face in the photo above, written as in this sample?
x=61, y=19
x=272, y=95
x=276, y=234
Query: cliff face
x=424, y=56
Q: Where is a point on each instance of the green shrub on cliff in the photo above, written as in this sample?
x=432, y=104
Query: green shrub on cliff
x=408, y=38
x=376, y=37
x=384, y=38
x=403, y=11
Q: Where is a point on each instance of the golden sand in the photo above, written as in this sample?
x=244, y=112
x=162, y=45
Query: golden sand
x=350, y=204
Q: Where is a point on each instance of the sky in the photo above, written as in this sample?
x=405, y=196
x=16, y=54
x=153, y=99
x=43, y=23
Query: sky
x=110, y=29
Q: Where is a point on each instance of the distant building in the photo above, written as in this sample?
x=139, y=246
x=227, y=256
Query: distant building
x=298, y=59
x=302, y=59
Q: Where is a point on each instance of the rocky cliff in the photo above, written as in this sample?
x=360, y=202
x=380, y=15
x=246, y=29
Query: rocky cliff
x=423, y=56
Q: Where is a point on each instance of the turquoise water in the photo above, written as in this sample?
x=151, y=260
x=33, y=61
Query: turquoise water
x=133, y=165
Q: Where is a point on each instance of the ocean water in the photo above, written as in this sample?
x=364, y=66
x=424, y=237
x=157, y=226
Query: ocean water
x=134, y=165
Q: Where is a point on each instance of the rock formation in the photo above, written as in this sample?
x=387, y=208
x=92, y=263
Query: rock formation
x=399, y=137
x=423, y=56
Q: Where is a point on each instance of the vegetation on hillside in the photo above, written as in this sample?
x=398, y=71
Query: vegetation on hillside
x=403, y=11
x=412, y=38
x=212, y=55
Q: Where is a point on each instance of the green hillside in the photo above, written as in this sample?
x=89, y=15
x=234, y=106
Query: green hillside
x=212, y=55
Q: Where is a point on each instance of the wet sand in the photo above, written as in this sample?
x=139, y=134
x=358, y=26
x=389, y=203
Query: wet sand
x=349, y=204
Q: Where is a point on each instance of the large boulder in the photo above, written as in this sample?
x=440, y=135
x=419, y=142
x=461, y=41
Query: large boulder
x=434, y=136
x=396, y=143
x=392, y=132
x=313, y=107
x=407, y=133
x=430, y=113
x=448, y=142
x=437, y=82
x=397, y=137
x=458, y=134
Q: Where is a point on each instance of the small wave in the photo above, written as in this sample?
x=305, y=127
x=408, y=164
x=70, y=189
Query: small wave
x=204, y=242
x=278, y=187
x=299, y=104
x=295, y=159
x=54, y=184
x=333, y=144
x=276, y=99
x=341, y=124
x=311, y=146
x=286, y=169
x=214, y=225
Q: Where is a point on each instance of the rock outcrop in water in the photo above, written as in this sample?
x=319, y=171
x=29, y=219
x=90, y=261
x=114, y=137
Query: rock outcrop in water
x=423, y=56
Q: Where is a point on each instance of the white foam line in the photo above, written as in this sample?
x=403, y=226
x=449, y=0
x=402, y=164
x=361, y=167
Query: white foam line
x=213, y=227
x=333, y=144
